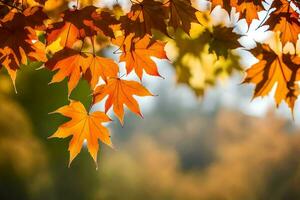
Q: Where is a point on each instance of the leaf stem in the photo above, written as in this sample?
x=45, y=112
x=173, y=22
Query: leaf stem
x=93, y=45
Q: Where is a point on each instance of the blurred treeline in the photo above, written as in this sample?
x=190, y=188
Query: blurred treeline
x=176, y=152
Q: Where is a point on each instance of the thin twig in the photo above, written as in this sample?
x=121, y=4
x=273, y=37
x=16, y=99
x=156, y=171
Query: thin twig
x=264, y=19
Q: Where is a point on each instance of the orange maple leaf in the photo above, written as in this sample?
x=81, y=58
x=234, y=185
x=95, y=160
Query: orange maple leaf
x=73, y=64
x=143, y=17
x=120, y=92
x=285, y=20
x=19, y=41
x=83, y=126
x=247, y=9
x=137, y=54
x=74, y=26
x=274, y=67
x=100, y=67
x=182, y=14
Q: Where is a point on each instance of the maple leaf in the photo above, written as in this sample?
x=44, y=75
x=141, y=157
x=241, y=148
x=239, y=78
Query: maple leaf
x=19, y=41
x=204, y=58
x=103, y=23
x=83, y=126
x=120, y=92
x=75, y=26
x=182, y=14
x=137, y=54
x=69, y=63
x=248, y=9
x=34, y=17
x=143, y=17
x=285, y=20
x=100, y=67
x=274, y=67
x=222, y=39
x=72, y=64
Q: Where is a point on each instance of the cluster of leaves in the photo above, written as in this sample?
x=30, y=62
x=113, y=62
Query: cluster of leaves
x=28, y=34
x=275, y=66
x=206, y=55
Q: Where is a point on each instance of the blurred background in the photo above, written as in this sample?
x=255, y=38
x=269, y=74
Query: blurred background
x=182, y=149
x=221, y=146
